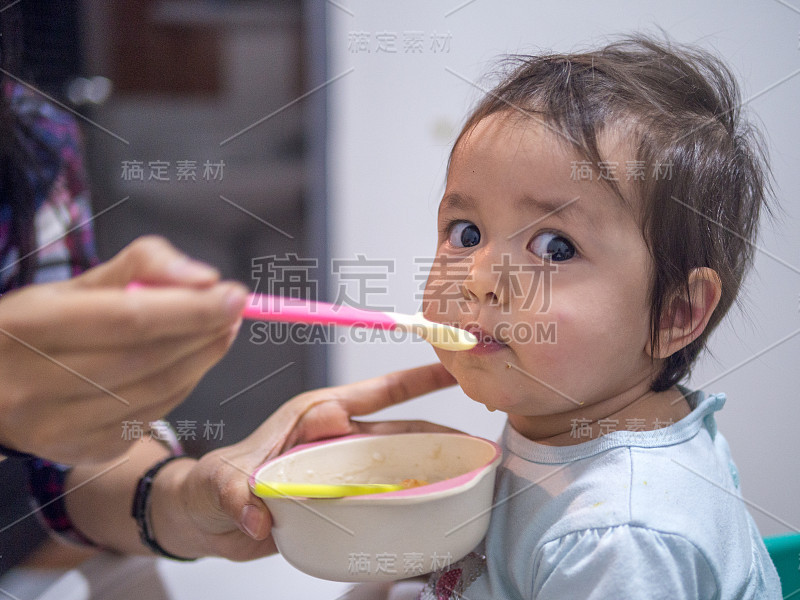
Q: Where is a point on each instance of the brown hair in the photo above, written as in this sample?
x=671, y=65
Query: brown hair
x=679, y=110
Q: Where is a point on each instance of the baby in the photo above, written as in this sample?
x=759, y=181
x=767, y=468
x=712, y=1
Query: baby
x=597, y=222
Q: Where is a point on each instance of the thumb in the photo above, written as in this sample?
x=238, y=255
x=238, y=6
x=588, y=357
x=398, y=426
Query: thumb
x=237, y=502
x=151, y=260
x=254, y=519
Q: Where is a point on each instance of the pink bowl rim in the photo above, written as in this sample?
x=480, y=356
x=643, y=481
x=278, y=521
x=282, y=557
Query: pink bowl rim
x=444, y=487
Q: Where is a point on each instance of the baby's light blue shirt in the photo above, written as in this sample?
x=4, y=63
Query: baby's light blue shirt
x=631, y=514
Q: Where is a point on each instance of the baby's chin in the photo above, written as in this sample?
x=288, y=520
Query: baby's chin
x=476, y=385
x=491, y=400
x=497, y=399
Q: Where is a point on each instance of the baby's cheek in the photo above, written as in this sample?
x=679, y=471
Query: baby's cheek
x=440, y=301
x=557, y=334
x=428, y=308
x=586, y=333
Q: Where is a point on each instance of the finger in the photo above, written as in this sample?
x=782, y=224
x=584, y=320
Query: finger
x=323, y=420
x=369, y=396
x=83, y=373
x=152, y=260
x=271, y=437
x=54, y=318
x=156, y=395
x=388, y=427
x=326, y=412
x=105, y=412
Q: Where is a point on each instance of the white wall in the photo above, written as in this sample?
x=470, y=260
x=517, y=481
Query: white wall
x=393, y=117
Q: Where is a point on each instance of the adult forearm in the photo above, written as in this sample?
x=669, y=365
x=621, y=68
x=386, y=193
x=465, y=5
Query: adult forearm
x=99, y=497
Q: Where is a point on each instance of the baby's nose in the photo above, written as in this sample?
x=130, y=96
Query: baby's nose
x=488, y=279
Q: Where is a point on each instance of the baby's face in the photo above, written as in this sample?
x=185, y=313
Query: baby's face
x=550, y=271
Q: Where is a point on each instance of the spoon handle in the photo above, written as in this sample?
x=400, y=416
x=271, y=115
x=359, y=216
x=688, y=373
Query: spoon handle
x=280, y=489
x=295, y=310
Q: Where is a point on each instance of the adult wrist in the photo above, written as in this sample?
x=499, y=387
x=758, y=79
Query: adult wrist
x=157, y=510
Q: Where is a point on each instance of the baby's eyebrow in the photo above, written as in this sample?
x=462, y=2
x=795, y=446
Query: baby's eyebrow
x=565, y=209
x=456, y=201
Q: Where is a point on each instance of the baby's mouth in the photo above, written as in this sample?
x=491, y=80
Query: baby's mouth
x=486, y=341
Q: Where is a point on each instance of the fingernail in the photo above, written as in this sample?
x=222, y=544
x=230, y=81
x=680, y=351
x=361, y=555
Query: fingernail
x=235, y=299
x=250, y=521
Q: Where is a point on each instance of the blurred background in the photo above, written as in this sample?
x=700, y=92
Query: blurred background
x=319, y=133
x=161, y=86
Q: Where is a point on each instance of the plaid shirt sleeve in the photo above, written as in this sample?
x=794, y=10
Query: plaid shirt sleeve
x=47, y=489
x=64, y=248
x=63, y=223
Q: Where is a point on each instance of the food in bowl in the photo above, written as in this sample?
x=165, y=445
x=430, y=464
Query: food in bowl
x=412, y=483
x=383, y=536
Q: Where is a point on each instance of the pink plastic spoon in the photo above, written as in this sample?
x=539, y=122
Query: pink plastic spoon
x=291, y=310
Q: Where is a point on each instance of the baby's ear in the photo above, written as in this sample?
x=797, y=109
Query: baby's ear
x=687, y=313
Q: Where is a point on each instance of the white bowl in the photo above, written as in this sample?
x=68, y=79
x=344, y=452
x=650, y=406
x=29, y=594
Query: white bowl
x=388, y=536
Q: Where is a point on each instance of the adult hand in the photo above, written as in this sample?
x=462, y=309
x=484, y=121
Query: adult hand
x=80, y=358
x=223, y=516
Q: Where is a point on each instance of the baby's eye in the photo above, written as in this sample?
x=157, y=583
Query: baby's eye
x=556, y=247
x=464, y=235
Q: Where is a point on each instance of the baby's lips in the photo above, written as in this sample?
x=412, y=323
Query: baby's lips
x=484, y=337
